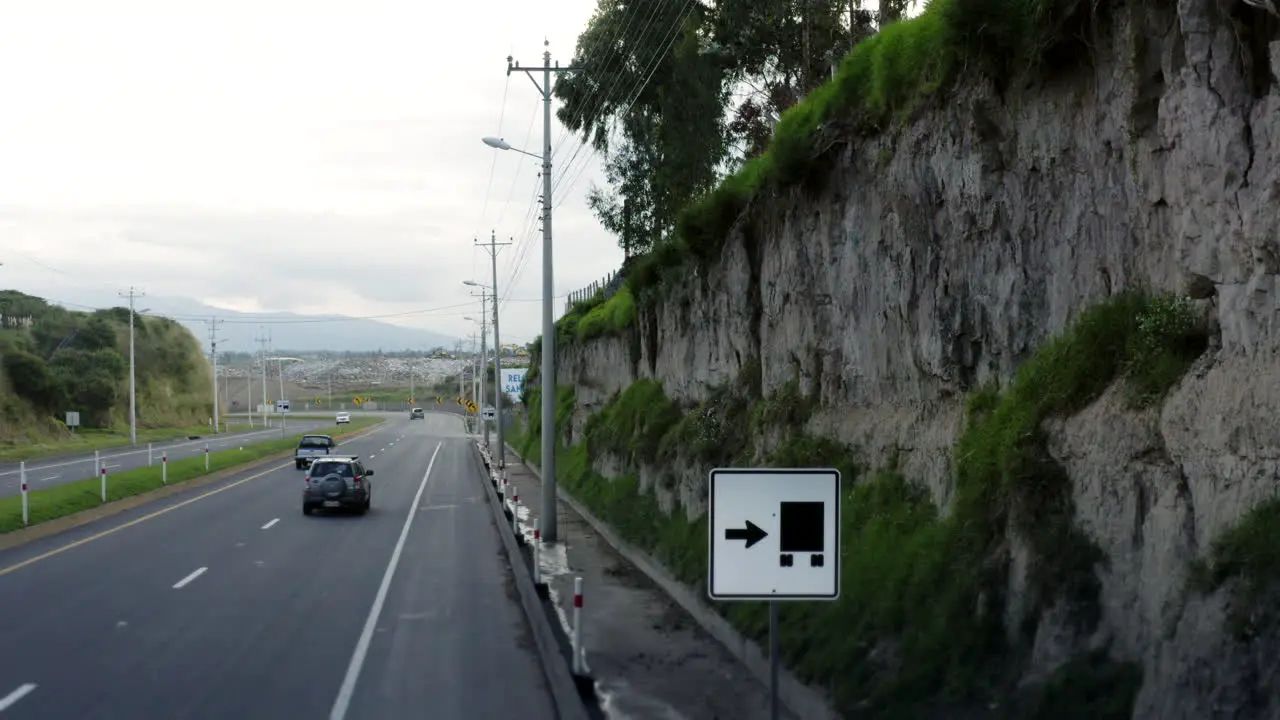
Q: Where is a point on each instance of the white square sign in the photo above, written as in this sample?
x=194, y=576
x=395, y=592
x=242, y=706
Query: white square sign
x=775, y=534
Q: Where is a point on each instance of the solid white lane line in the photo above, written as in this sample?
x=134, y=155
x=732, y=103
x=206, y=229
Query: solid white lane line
x=187, y=580
x=348, y=689
x=23, y=690
x=51, y=477
x=273, y=522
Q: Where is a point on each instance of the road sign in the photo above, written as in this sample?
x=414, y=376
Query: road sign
x=73, y=419
x=318, y=400
x=411, y=398
x=775, y=534
x=439, y=401
x=460, y=402
x=489, y=413
x=282, y=406
x=357, y=401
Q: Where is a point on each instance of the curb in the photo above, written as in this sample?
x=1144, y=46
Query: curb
x=801, y=699
x=565, y=689
x=49, y=528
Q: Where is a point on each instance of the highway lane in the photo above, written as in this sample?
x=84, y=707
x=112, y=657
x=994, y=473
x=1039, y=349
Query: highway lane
x=50, y=471
x=237, y=605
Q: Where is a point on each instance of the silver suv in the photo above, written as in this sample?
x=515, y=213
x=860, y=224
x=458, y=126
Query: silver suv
x=340, y=483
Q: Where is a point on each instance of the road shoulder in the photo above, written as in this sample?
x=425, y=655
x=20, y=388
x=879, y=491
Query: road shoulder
x=647, y=655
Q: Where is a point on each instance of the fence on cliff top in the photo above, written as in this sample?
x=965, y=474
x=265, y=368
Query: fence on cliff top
x=608, y=286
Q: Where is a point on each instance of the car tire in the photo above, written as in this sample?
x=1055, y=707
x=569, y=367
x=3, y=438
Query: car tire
x=306, y=509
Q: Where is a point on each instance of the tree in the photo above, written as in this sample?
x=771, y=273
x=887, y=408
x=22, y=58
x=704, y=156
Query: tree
x=663, y=136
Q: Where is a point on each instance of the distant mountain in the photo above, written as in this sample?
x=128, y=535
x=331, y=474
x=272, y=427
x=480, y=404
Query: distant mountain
x=332, y=333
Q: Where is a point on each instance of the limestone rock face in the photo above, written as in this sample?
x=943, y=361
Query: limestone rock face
x=944, y=254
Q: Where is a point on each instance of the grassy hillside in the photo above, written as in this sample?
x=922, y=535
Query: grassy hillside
x=54, y=360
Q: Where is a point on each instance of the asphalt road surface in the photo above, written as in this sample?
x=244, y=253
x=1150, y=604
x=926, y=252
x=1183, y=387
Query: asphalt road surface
x=47, y=472
x=228, y=602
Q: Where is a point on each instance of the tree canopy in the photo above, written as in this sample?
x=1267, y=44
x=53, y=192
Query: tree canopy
x=677, y=93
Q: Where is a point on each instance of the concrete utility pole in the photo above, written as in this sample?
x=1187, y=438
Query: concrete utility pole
x=491, y=247
x=213, y=353
x=262, y=357
x=482, y=366
x=133, y=377
x=548, y=379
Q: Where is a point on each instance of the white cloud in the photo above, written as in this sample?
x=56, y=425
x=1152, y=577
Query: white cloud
x=230, y=151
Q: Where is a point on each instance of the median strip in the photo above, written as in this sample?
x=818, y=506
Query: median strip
x=71, y=498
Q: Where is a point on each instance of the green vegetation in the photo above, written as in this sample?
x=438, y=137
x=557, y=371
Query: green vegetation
x=70, y=498
x=100, y=440
x=1091, y=686
x=668, y=202
x=1249, y=553
x=923, y=589
x=56, y=360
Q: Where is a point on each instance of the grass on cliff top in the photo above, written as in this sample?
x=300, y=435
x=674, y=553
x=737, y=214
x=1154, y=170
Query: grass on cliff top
x=886, y=77
x=73, y=497
x=919, y=625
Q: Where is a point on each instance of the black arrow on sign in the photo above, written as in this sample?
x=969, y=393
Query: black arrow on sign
x=751, y=533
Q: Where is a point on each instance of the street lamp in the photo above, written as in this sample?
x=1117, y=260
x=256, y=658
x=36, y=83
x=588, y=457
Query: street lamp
x=497, y=372
x=549, y=530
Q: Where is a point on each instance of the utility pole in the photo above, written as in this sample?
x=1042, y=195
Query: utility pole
x=262, y=356
x=213, y=353
x=548, y=380
x=491, y=247
x=133, y=377
x=483, y=362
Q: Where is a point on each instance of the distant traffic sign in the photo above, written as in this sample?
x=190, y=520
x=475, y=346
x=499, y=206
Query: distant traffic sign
x=439, y=401
x=489, y=413
x=775, y=534
x=318, y=400
x=357, y=401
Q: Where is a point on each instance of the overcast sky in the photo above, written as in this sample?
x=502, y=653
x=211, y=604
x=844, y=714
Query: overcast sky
x=286, y=155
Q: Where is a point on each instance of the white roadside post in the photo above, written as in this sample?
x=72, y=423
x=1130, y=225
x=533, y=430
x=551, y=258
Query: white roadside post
x=164, y=469
x=537, y=562
x=150, y=457
x=792, y=554
x=577, y=627
x=103, y=472
x=515, y=511
x=22, y=475
x=206, y=457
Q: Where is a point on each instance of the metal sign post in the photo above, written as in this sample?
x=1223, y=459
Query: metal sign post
x=774, y=535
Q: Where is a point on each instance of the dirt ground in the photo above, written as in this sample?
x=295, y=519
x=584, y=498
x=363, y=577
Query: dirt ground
x=650, y=660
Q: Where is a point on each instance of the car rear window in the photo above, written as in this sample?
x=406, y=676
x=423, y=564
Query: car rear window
x=329, y=467
x=314, y=441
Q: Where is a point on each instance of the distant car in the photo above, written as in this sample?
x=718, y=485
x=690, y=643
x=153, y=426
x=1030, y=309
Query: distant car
x=338, y=482
x=311, y=447
x=344, y=419
x=417, y=413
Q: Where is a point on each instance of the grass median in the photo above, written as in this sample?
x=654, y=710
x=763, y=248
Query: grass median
x=85, y=440
x=73, y=497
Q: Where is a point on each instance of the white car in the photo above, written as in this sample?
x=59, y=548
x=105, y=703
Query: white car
x=344, y=418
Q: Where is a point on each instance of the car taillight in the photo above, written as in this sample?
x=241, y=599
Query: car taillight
x=358, y=479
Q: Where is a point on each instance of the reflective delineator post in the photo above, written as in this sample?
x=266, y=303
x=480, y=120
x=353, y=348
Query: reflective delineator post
x=206, y=457
x=164, y=469
x=577, y=626
x=103, y=472
x=537, y=563
x=22, y=476
x=150, y=457
x=515, y=510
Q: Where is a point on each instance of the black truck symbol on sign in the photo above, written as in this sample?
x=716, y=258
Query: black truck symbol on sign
x=800, y=530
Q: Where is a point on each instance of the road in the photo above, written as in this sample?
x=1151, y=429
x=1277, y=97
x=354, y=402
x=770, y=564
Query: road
x=47, y=472
x=228, y=602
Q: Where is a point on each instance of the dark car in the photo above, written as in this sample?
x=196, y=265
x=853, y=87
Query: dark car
x=338, y=483
x=417, y=413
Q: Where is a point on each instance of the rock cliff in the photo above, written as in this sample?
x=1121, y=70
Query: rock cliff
x=940, y=255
